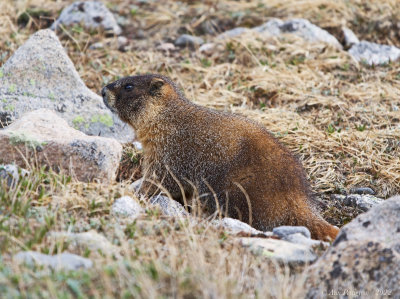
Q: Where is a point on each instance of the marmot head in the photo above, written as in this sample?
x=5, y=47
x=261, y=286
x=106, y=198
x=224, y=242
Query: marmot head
x=130, y=97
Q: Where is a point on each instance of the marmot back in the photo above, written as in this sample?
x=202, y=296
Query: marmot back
x=189, y=148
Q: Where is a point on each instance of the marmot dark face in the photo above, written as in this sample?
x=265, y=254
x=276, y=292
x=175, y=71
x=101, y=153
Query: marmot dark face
x=129, y=96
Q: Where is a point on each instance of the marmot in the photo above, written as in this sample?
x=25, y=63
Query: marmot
x=234, y=164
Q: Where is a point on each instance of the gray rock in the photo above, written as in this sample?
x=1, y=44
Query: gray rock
x=41, y=75
x=362, y=202
x=126, y=206
x=137, y=145
x=168, y=206
x=299, y=238
x=236, y=226
x=365, y=256
x=12, y=173
x=350, y=38
x=280, y=251
x=92, y=14
x=96, y=46
x=63, y=261
x=299, y=27
x=362, y=190
x=166, y=47
x=43, y=137
x=122, y=42
x=233, y=33
x=207, y=49
x=271, y=27
x=91, y=240
x=284, y=231
x=186, y=40
x=374, y=54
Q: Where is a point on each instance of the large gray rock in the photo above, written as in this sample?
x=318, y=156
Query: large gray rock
x=374, y=54
x=364, y=258
x=92, y=14
x=280, y=251
x=42, y=137
x=41, y=75
x=63, y=261
x=300, y=27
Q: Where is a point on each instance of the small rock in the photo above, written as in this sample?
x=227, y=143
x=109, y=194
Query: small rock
x=233, y=33
x=374, y=54
x=299, y=238
x=91, y=240
x=168, y=206
x=137, y=145
x=166, y=47
x=63, y=261
x=92, y=14
x=236, y=226
x=126, y=206
x=47, y=139
x=279, y=250
x=207, y=49
x=338, y=197
x=365, y=256
x=284, y=231
x=12, y=174
x=96, y=46
x=363, y=202
x=41, y=75
x=186, y=40
x=122, y=42
x=299, y=27
x=362, y=190
x=350, y=38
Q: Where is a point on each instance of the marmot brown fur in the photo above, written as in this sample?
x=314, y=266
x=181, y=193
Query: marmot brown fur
x=222, y=156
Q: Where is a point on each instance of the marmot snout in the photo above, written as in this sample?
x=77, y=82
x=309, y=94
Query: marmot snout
x=234, y=164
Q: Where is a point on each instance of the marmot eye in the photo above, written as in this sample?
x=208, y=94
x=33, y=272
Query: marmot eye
x=128, y=87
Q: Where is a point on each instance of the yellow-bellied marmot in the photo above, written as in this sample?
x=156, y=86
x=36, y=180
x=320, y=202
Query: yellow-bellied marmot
x=188, y=147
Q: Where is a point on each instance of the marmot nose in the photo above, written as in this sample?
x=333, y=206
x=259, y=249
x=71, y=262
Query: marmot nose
x=103, y=92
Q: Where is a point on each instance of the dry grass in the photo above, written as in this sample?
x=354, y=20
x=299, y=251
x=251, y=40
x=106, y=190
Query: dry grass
x=340, y=117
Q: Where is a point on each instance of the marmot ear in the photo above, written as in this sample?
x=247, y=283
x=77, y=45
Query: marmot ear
x=155, y=85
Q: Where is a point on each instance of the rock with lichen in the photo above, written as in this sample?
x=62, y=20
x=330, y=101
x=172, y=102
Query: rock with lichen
x=90, y=14
x=41, y=137
x=365, y=256
x=41, y=75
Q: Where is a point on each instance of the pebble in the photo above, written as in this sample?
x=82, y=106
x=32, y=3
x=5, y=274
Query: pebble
x=186, y=40
x=126, y=206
